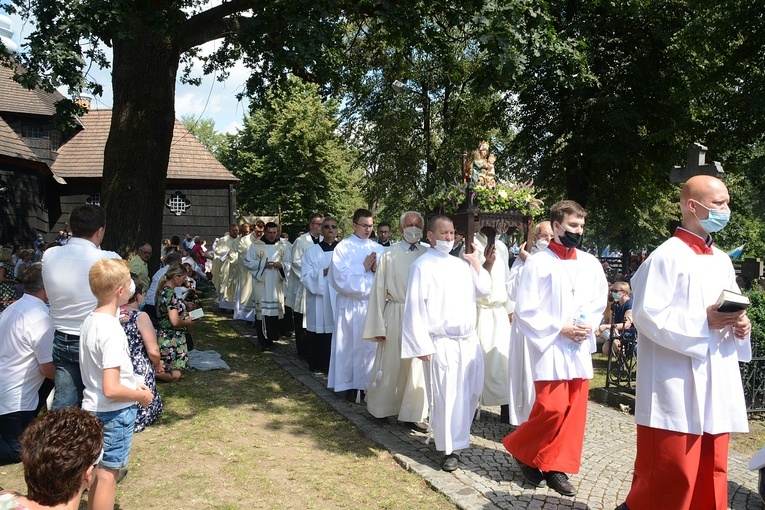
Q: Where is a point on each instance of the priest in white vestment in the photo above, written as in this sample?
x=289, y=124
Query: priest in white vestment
x=225, y=268
x=560, y=303
x=439, y=329
x=397, y=386
x=351, y=273
x=520, y=383
x=319, y=297
x=242, y=304
x=266, y=262
x=689, y=394
x=295, y=294
x=493, y=321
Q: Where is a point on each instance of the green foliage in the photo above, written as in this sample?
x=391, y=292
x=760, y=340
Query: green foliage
x=291, y=159
x=505, y=196
x=458, y=72
x=753, y=373
x=204, y=130
x=747, y=207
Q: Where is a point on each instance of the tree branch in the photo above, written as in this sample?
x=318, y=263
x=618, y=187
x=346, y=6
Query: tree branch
x=212, y=24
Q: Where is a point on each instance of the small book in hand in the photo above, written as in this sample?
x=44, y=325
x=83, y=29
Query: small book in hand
x=196, y=313
x=730, y=301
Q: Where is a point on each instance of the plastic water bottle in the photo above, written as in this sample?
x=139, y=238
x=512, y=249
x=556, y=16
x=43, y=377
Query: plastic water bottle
x=573, y=347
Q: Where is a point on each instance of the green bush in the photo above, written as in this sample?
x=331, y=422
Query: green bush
x=753, y=373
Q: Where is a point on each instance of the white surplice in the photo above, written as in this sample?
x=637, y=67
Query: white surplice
x=352, y=357
x=295, y=296
x=242, y=305
x=400, y=387
x=268, y=284
x=225, y=271
x=553, y=356
x=493, y=327
x=439, y=320
x=688, y=377
x=521, y=391
x=320, y=295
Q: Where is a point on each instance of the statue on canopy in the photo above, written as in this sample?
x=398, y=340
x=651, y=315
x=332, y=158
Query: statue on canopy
x=480, y=168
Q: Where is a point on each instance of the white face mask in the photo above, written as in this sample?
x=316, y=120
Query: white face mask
x=444, y=246
x=412, y=234
x=132, y=288
x=542, y=244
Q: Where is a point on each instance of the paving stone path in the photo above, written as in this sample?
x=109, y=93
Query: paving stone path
x=487, y=477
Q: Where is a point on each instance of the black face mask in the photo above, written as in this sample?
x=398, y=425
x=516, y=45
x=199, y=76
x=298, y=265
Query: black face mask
x=570, y=239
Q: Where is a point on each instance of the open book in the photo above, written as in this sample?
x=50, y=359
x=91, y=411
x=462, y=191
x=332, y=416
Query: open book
x=197, y=313
x=730, y=301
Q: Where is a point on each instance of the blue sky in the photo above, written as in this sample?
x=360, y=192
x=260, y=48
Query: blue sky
x=212, y=99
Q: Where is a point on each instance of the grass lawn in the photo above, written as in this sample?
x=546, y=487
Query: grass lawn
x=254, y=438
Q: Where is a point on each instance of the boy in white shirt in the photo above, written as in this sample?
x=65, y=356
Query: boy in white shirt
x=111, y=390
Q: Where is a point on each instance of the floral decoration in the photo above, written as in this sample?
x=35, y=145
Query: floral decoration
x=504, y=196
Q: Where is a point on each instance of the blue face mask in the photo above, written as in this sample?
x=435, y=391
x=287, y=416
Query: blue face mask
x=615, y=295
x=716, y=221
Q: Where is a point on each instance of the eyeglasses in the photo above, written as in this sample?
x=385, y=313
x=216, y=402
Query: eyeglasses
x=315, y=224
x=99, y=458
x=331, y=227
x=367, y=227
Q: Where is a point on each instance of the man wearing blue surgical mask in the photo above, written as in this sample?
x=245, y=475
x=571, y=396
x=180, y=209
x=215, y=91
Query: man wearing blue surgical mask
x=689, y=395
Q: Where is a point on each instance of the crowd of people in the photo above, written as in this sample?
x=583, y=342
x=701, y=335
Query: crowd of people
x=418, y=329
x=81, y=327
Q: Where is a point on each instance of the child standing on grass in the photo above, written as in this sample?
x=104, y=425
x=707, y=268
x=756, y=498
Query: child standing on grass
x=107, y=372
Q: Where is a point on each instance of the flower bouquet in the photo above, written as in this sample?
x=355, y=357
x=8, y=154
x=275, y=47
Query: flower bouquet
x=503, y=196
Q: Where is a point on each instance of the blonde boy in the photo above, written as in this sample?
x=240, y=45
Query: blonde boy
x=111, y=391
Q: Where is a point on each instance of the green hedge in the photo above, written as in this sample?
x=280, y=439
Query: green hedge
x=753, y=374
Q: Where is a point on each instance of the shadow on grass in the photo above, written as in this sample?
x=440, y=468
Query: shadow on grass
x=257, y=384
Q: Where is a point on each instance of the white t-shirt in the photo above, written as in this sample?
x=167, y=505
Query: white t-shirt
x=26, y=341
x=103, y=345
x=151, y=294
x=65, y=273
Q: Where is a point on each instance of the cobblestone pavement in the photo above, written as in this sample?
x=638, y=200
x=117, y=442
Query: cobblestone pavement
x=487, y=477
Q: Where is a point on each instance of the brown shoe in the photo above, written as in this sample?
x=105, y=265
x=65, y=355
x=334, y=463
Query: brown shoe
x=558, y=482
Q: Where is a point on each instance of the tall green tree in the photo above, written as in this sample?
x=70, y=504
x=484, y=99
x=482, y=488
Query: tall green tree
x=204, y=130
x=291, y=159
x=152, y=40
x=458, y=82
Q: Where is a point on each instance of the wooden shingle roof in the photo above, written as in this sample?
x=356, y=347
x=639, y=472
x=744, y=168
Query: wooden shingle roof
x=83, y=155
x=12, y=145
x=15, y=98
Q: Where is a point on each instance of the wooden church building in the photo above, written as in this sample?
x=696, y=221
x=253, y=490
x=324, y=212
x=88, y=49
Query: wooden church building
x=44, y=173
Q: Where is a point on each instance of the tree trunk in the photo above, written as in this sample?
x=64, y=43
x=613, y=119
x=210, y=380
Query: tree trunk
x=133, y=188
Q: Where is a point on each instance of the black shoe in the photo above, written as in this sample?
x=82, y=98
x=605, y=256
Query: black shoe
x=530, y=474
x=623, y=506
x=451, y=463
x=558, y=482
x=504, y=413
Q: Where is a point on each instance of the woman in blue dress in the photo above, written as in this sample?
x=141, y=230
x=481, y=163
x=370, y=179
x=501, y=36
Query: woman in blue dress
x=144, y=351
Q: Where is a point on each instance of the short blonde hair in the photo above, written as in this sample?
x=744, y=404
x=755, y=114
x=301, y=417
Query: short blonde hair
x=620, y=287
x=5, y=254
x=106, y=275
